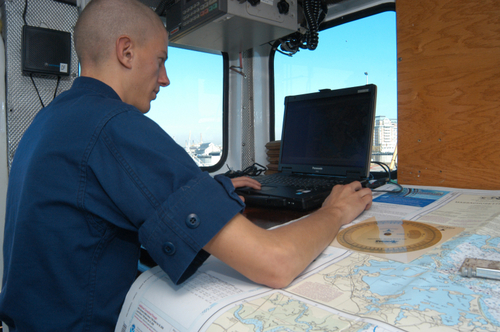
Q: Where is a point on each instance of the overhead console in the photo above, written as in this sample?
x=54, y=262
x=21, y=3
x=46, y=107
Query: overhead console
x=228, y=25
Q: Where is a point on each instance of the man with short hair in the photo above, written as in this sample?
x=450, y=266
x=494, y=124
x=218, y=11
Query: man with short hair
x=93, y=179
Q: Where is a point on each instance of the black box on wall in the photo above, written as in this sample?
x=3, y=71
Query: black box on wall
x=45, y=51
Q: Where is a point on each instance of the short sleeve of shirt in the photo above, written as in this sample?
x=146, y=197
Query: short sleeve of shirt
x=153, y=186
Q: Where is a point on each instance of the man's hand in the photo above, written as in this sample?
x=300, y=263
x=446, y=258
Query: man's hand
x=350, y=200
x=245, y=181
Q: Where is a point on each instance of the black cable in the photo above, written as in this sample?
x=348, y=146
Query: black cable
x=291, y=45
x=162, y=7
x=385, y=167
x=25, y=10
x=311, y=11
x=394, y=191
x=389, y=180
x=57, y=86
x=287, y=54
x=253, y=170
x=38, y=93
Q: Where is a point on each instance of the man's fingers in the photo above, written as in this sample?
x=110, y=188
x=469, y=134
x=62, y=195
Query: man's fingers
x=245, y=181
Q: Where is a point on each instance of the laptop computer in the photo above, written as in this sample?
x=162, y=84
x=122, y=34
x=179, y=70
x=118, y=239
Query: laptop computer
x=326, y=139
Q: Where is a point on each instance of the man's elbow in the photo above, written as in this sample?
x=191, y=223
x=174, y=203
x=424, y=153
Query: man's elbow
x=278, y=282
x=279, y=270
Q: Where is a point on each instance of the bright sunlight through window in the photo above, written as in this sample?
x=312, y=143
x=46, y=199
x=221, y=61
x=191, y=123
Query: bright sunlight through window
x=190, y=108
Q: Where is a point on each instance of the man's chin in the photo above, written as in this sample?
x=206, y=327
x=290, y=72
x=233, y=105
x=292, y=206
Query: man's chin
x=145, y=109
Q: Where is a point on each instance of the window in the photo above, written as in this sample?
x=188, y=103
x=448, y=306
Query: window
x=190, y=109
x=351, y=54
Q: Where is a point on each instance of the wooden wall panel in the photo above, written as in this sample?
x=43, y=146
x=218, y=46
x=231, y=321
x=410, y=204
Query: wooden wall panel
x=449, y=93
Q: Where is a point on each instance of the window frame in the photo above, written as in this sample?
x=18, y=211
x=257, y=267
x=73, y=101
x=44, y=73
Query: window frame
x=323, y=26
x=225, y=117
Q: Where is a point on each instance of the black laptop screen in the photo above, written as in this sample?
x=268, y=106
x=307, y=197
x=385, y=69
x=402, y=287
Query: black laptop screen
x=328, y=129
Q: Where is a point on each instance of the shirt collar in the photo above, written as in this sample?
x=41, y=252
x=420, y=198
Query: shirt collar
x=100, y=87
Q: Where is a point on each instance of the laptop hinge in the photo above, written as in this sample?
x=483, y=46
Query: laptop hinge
x=286, y=170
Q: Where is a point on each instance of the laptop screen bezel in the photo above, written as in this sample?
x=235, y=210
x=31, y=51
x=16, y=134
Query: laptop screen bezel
x=356, y=172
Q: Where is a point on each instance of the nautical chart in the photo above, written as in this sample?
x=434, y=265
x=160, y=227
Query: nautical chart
x=342, y=290
x=278, y=311
x=368, y=293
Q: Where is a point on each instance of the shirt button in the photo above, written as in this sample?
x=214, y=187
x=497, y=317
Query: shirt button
x=169, y=248
x=192, y=221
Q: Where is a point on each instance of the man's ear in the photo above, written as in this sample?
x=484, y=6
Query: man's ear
x=125, y=51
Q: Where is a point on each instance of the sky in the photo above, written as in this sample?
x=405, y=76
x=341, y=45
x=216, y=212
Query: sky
x=190, y=109
x=343, y=56
x=191, y=106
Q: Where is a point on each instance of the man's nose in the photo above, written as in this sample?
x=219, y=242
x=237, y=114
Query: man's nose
x=163, y=78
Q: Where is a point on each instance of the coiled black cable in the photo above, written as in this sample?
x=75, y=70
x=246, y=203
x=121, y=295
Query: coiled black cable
x=312, y=11
x=253, y=170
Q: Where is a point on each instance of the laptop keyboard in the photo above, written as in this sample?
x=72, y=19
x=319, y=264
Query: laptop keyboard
x=304, y=182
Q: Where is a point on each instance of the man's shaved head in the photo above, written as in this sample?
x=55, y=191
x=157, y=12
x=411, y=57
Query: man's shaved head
x=103, y=21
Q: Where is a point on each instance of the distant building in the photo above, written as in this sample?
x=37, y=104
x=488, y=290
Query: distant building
x=385, y=137
x=207, y=150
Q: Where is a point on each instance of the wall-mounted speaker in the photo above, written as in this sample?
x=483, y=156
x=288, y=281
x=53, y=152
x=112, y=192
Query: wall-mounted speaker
x=45, y=51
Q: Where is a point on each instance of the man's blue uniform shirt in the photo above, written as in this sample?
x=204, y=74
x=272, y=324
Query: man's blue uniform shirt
x=92, y=179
